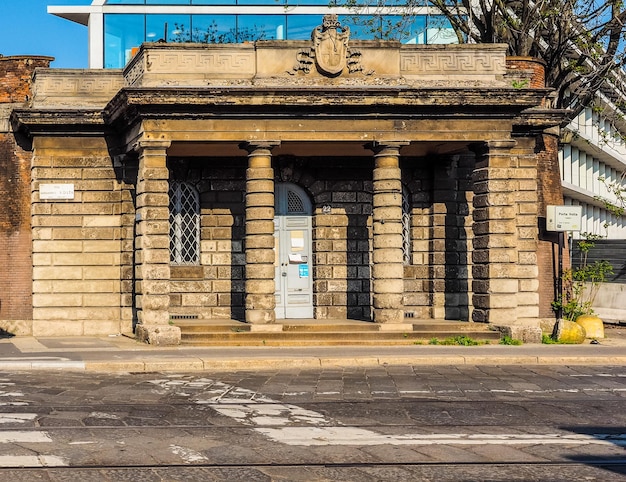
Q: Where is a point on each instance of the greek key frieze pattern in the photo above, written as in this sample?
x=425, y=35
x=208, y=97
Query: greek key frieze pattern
x=135, y=73
x=205, y=62
x=83, y=85
x=478, y=63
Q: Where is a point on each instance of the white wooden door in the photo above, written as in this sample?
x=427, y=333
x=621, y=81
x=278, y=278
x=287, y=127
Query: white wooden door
x=293, y=273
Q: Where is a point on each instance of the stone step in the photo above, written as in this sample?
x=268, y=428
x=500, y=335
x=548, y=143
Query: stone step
x=328, y=337
x=326, y=332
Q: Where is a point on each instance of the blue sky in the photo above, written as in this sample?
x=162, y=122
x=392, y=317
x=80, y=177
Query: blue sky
x=26, y=28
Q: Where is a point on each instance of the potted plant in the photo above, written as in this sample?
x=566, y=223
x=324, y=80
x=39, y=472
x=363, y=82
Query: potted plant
x=580, y=287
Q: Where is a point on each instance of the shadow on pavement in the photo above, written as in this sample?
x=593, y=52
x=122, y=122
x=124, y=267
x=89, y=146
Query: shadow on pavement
x=614, y=435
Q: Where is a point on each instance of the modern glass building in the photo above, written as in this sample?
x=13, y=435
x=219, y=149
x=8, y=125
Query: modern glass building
x=116, y=27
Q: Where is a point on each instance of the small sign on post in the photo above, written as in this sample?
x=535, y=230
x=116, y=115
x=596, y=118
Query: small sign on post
x=564, y=218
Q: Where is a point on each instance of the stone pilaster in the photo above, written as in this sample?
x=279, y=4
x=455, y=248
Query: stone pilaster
x=152, y=255
x=495, y=257
x=260, y=256
x=387, y=255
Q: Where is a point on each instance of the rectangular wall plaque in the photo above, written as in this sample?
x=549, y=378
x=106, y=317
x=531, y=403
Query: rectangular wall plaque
x=56, y=191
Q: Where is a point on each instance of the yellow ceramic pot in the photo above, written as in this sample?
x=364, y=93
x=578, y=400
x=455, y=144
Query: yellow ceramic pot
x=592, y=324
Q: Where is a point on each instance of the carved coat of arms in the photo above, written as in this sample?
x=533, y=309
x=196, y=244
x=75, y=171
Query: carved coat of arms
x=330, y=50
x=330, y=41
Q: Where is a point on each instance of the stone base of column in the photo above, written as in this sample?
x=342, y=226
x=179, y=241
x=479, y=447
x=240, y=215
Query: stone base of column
x=526, y=330
x=260, y=316
x=158, y=335
x=382, y=315
x=396, y=327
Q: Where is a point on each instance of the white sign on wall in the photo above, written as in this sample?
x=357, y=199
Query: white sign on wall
x=56, y=191
x=564, y=218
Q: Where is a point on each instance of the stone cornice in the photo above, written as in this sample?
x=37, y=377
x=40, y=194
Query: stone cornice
x=133, y=104
x=57, y=122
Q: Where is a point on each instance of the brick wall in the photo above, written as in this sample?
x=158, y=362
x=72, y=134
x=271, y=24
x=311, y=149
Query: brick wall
x=550, y=193
x=15, y=237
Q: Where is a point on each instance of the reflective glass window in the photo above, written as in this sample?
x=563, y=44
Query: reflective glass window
x=362, y=27
x=168, y=2
x=171, y=28
x=122, y=34
x=214, y=2
x=125, y=2
x=439, y=30
x=261, y=2
x=300, y=27
x=407, y=29
x=260, y=27
x=214, y=28
x=324, y=3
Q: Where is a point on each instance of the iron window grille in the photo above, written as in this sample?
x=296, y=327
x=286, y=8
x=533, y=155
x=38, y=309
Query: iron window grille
x=406, y=225
x=184, y=224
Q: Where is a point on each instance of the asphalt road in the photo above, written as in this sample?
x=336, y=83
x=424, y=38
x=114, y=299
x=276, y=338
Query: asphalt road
x=347, y=424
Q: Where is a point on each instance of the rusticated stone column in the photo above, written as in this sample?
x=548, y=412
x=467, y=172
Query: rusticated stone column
x=387, y=256
x=495, y=269
x=152, y=255
x=260, y=255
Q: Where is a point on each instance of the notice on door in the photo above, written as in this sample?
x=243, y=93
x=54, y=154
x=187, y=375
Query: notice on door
x=303, y=270
x=297, y=241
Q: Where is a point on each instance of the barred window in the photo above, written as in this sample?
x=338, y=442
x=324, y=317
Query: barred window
x=184, y=223
x=406, y=225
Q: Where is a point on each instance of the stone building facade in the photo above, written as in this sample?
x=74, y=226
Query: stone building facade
x=285, y=179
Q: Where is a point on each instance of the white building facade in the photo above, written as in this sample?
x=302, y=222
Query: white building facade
x=118, y=27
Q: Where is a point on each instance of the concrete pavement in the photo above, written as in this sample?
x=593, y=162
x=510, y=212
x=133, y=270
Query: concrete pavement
x=119, y=353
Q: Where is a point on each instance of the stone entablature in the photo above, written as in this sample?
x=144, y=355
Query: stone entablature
x=65, y=88
x=200, y=65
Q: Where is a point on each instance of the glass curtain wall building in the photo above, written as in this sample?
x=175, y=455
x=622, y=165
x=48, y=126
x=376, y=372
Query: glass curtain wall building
x=116, y=27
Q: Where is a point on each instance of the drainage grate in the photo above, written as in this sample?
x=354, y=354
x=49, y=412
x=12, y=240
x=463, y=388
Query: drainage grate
x=184, y=317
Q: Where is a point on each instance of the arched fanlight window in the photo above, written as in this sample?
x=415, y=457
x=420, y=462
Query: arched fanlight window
x=184, y=223
x=406, y=225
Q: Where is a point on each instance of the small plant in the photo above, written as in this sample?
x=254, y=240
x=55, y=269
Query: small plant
x=507, y=340
x=461, y=340
x=520, y=84
x=548, y=340
x=581, y=285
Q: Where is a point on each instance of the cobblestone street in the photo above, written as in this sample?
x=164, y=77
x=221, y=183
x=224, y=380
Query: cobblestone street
x=361, y=424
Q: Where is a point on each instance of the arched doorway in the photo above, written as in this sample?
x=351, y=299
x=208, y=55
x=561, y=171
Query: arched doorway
x=292, y=234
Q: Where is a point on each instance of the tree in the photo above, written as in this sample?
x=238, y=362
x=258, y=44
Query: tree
x=580, y=41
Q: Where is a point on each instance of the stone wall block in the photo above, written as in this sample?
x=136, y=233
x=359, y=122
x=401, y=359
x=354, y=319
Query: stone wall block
x=155, y=303
x=494, y=256
x=262, y=199
x=261, y=185
x=260, y=242
x=389, y=316
x=386, y=241
x=260, y=256
x=260, y=286
x=259, y=213
x=388, y=286
x=387, y=176
x=383, y=256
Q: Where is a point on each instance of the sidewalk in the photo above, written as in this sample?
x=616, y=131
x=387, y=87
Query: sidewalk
x=122, y=354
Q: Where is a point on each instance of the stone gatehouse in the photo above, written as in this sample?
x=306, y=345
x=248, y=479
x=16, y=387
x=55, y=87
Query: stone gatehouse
x=285, y=179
